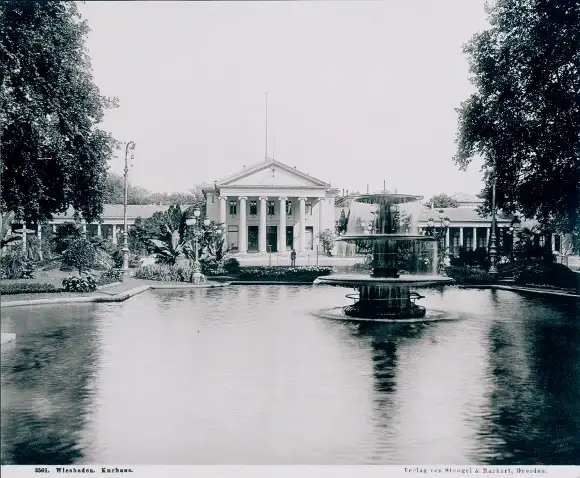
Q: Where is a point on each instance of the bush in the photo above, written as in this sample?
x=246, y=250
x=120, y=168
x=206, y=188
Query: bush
x=231, y=265
x=165, y=272
x=548, y=274
x=212, y=267
x=305, y=273
x=469, y=275
x=84, y=283
x=110, y=276
x=14, y=264
x=64, y=236
x=327, y=240
x=27, y=288
x=80, y=254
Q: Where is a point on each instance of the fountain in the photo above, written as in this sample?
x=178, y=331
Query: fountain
x=384, y=225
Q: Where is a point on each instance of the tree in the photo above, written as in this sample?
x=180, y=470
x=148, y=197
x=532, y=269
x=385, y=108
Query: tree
x=115, y=191
x=80, y=254
x=442, y=200
x=524, y=118
x=53, y=153
x=64, y=236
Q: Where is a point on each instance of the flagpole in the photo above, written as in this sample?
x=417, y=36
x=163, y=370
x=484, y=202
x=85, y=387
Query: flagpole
x=266, y=150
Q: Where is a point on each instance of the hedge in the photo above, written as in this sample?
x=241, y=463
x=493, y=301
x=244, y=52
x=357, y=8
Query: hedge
x=272, y=273
x=469, y=275
x=548, y=274
x=28, y=288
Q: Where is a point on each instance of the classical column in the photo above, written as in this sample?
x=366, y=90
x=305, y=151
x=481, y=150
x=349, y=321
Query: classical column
x=282, y=226
x=488, y=231
x=321, y=202
x=262, y=228
x=447, y=235
x=460, y=237
x=223, y=220
x=115, y=234
x=474, y=243
x=99, y=232
x=39, y=231
x=85, y=229
x=54, y=228
x=243, y=232
x=302, y=225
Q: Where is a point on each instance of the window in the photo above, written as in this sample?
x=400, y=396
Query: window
x=253, y=208
x=308, y=207
x=233, y=208
x=288, y=208
x=271, y=210
x=557, y=243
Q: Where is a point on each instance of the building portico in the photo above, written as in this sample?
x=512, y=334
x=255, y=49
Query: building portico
x=271, y=207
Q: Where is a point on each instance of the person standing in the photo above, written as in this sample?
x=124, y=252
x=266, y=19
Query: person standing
x=293, y=258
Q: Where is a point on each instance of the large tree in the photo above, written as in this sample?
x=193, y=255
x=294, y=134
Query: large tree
x=524, y=118
x=53, y=154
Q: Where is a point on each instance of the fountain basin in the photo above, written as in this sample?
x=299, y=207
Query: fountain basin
x=357, y=280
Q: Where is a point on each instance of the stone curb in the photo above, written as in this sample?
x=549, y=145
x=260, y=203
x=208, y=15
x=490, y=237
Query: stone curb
x=520, y=289
x=120, y=297
x=268, y=282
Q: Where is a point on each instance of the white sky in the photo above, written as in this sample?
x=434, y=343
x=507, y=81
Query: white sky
x=359, y=92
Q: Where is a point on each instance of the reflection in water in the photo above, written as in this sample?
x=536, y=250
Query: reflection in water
x=534, y=409
x=245, y=375
x=46, y=391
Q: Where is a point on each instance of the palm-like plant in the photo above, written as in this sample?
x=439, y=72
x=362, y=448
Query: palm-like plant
x=173, y=241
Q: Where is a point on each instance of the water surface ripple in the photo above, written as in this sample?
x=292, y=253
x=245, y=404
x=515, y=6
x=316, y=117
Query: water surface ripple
x=247, y=375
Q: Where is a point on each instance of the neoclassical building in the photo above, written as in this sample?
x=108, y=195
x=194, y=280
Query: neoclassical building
x=271, y=207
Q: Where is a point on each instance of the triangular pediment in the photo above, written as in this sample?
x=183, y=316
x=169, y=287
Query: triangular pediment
x=272, y=173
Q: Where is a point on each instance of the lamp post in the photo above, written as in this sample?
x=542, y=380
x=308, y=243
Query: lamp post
x=492, y=244
x=130, y=146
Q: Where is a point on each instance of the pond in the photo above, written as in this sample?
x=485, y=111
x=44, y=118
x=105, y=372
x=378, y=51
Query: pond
x=247, y=375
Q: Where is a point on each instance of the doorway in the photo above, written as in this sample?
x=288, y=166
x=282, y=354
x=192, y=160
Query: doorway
x=252, y=238
x=289, y=237
x=272, y=238
x=309, y=238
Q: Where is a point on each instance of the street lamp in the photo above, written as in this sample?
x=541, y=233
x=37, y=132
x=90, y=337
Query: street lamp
x=492, y=244
x=130, y=146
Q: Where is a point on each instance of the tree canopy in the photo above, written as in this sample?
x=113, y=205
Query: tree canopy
x=442, y=200
x=115, y=194
x=53, y=153
x=524, y=118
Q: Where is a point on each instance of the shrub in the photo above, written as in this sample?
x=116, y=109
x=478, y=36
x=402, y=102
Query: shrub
x=165, y=272
x=80, y=254
x=231, y=265
x=84, y=283
x=212, y=267
x=64, y=236
x=14, y=264
x=27, y=288
x=327, y=239
x=110, y=276
x=469, y=275
x=547, y=274
x=305, y=273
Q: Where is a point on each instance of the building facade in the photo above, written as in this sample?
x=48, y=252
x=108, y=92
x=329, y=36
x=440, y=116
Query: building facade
x=271, y=207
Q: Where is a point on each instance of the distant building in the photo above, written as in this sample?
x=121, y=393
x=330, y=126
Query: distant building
x=271, y=207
